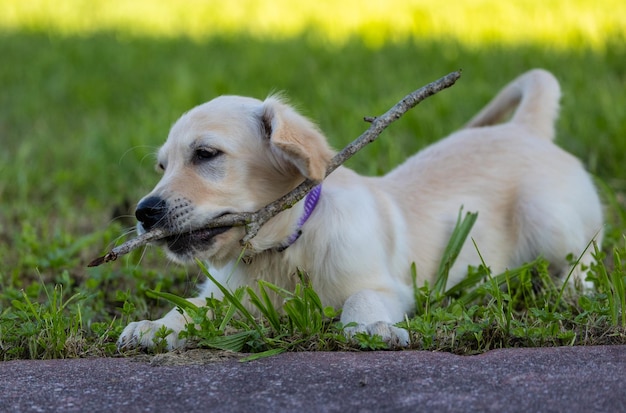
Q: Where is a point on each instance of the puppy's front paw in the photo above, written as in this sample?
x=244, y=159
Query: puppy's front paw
x=392, y=335
x=146, y=334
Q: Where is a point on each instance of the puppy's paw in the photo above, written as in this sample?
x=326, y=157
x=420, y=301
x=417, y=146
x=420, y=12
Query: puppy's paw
x=392, y=335
x=147, y=334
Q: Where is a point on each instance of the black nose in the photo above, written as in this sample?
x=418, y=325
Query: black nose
x=151, y=211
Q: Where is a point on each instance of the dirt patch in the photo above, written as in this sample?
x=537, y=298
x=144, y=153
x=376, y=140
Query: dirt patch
x=189, y=357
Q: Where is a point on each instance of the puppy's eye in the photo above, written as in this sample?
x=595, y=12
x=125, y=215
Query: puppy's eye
x=205, y=154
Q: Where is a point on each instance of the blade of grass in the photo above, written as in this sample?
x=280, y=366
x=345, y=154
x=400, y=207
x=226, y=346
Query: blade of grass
x=574, y=266
x=174, y=299
x=232, y=309
x=453, y=249
x=232, y=342
x=265, y=305
x=618, y=282
x=470, y=294
x=263, y=354
x=233, y=300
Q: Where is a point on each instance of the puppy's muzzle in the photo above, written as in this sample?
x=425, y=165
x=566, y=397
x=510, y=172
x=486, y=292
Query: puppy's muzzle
x=151, y=212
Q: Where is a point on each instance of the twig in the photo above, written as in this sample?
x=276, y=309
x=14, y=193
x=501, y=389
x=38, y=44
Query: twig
x=130, y=245
x=255, y=220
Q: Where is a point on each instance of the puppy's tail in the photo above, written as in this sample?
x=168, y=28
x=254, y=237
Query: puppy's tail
x=534, y=96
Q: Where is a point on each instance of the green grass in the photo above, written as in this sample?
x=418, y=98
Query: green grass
x=84, y=107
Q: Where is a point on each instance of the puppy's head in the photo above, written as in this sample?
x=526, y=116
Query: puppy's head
x=232, y=154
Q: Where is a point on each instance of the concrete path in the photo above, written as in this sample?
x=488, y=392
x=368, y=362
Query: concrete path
x=566, y=379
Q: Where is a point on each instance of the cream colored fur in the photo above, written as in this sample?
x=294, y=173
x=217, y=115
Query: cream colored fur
x=532, y=198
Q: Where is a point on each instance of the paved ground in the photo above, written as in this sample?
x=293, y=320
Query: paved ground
x=579, y=379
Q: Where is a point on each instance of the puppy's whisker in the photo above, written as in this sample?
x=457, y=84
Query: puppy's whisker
x=129, y=231
x=137, y=147
x=144, y=250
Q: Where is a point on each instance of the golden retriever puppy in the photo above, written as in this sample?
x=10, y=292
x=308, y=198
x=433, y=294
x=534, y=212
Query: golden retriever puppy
x=357, y=236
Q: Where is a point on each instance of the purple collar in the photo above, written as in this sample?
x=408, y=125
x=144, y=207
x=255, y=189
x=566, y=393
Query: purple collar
x=310, y=202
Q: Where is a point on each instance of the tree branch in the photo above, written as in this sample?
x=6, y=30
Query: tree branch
x=255, y=220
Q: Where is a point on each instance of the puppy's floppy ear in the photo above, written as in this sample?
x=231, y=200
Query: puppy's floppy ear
x=296, y=139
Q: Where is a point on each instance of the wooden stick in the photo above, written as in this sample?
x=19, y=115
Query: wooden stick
x=255, y=220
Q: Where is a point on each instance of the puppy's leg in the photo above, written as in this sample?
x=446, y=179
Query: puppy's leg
x=143, y=333
x=375, y=312
x=577, y=279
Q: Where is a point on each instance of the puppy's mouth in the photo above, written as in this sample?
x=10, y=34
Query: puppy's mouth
x=184, y=243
